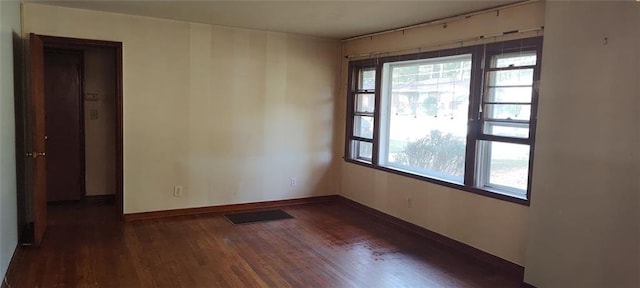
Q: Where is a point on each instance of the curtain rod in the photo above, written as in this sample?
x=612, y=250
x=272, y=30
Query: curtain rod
x=443, y=20
x=461, y=41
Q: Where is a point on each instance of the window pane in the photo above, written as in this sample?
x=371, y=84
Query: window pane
x=427, y=109
x=508, y=165
x=365, y=103
x=367, y=80
x=526, y=58
x=511, y=77
x=362, y=150
x=510, y=94
x=506, y=129
x=507, y=111
x=363, y=126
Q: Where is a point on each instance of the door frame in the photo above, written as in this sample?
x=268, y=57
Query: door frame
x=81, y=44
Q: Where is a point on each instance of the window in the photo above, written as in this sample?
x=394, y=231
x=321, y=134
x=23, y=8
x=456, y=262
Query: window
x=462, y=117
x=505, y=140
x=361, y=140
x=424, y=116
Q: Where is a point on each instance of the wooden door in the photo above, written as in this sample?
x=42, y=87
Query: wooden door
x=63, y=118
x=36, y=126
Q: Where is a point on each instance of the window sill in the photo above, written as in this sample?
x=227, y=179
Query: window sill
x=488, y=193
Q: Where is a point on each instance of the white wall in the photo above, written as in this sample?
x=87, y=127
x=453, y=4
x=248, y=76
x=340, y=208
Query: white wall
x=495, y=226
x=229, y=114
x=9, y=25
x=585, y=210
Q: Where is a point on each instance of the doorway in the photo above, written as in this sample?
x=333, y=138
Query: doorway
x=74, y=120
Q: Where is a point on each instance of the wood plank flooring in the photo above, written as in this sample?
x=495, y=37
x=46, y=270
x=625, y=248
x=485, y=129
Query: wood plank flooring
x=325, y=245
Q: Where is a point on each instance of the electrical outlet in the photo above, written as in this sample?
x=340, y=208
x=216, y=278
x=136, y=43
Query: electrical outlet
x=177, y=191
x=293, y=183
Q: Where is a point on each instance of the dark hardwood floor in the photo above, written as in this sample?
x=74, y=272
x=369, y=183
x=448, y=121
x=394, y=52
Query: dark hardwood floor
x=325, y=245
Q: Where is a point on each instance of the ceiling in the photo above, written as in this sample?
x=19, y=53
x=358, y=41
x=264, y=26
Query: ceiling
x=329, y=19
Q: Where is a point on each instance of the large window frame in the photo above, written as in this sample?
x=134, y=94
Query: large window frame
x=481, y=65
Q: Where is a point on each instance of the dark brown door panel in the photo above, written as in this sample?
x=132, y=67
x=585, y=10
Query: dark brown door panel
x=62, y=90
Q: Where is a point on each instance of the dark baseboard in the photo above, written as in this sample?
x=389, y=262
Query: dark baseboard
x=227, y=208
x=527, y=285
x=508, y=267
x=100, y=199
x=93, y=199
